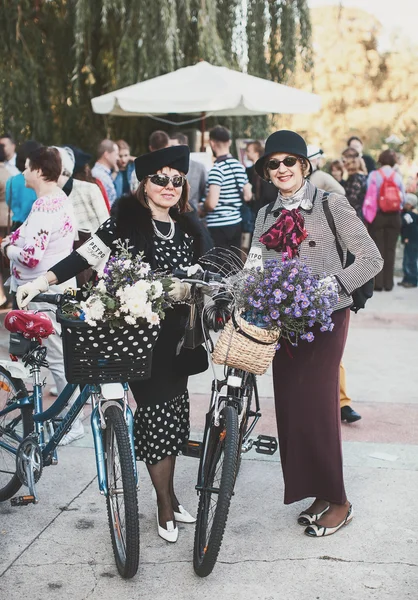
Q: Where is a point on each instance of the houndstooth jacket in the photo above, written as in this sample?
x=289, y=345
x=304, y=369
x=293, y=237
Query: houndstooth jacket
x=319, y=250
x=89, y=206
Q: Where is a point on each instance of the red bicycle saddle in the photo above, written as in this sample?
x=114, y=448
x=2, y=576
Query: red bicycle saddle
x=32, y=325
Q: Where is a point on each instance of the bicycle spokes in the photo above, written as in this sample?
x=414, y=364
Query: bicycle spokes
x=216, y=490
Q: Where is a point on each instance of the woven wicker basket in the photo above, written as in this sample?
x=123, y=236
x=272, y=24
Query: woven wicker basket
x=245, y=346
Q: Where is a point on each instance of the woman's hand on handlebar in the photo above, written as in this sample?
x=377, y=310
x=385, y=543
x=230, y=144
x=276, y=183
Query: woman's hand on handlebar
x=27, y=291
x=195, y=274
x=194, y=270
x=179, y=290
x=206, y=281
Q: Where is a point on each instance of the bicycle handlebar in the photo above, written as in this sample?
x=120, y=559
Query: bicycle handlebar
x=202, y=277
x=49, y=298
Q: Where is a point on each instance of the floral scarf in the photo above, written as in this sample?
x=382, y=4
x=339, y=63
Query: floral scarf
x=286, y=234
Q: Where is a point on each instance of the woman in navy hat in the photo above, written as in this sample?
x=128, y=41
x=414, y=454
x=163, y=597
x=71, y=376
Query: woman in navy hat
x=157, y=221
x=305, y=377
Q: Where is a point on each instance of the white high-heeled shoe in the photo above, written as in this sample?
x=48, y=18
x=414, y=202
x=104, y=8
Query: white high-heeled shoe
x=182, y=516
x=170, y=534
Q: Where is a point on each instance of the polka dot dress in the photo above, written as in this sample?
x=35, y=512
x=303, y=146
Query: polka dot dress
x=161, y=427
x=174, y=253
x=162, y=430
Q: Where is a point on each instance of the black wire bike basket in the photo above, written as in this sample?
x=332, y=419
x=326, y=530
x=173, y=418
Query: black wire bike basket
x=103, y=355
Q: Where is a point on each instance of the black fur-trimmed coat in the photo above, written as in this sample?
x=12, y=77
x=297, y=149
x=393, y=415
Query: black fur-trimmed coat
x=134, y=222
x=131, y=221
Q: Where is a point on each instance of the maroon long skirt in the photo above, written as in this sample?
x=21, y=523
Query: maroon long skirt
x=306, y=390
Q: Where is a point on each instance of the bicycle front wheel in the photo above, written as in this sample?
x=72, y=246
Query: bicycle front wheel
x=122, y=498
x=218, y=486
x=14, y=427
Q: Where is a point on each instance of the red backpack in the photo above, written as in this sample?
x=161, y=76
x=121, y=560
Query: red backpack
x=390, y=198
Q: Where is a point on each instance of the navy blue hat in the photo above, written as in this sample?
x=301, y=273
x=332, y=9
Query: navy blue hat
x=283, y=141
x=81, y=158
x=176, y=157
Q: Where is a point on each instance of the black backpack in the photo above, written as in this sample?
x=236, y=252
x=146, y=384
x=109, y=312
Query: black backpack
x=363, y=293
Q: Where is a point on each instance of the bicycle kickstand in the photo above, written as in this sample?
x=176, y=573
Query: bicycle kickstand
x=31, y=482
x=32, y=497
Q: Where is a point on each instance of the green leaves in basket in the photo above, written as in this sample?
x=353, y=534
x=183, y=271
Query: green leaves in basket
x=127, y=292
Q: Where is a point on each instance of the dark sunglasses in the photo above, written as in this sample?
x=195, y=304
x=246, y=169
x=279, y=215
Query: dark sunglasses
x=163, y=180
x=289, y=161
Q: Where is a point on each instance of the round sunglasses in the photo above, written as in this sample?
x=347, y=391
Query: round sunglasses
x=163, y=180
x=289, y=161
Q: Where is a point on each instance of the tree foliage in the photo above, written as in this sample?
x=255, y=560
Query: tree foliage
x=365, y=90
x=61, y=53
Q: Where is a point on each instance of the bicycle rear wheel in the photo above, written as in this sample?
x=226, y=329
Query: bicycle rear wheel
x=218, y=486
x=122, y=498
x=14, y=427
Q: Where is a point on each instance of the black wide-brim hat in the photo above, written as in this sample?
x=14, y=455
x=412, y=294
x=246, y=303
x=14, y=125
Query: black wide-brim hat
x=81, y=158
x=175, y=157
x=284, y=141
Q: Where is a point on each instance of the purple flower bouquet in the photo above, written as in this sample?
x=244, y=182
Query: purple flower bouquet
x=285, y=296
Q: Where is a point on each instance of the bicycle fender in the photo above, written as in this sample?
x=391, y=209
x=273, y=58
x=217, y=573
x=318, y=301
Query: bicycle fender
x=112, y=391
x=99, y=449
x=15, y=369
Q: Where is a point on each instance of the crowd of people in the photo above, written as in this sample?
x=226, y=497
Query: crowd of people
x=54, y=207
x=356, y=176
x=227, y=197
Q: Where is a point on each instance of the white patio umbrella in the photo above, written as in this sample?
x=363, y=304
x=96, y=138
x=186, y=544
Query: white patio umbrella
x=206, y=90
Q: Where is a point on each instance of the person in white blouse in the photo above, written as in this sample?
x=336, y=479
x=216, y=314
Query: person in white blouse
x=46, y=236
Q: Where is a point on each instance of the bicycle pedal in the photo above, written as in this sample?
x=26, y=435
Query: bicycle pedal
x=23, y=500
x=192, y=448
x=266, y=444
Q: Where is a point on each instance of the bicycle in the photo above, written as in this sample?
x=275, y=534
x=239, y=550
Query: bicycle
x=29, y=436
x=234, y=411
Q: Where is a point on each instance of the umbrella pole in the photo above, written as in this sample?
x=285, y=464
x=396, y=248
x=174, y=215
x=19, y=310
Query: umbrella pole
x=202, y=130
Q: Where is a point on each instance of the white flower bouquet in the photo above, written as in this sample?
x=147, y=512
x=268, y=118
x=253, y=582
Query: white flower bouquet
x=111, y=334
x=127, y=293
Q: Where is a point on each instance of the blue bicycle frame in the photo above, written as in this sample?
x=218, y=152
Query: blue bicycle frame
x=49, y=454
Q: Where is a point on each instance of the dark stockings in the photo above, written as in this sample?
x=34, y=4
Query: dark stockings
x=162, y=477
x=335, y=514
x=174, y=502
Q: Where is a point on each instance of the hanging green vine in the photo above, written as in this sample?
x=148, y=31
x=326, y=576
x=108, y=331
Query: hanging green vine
x=62, y=53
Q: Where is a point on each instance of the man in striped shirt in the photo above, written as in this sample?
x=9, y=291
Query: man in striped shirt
x=228, y=187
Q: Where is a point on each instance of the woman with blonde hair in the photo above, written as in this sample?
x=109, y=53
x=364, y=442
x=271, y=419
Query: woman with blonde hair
x=356, y=184
x=349, y=153
x=336, y=169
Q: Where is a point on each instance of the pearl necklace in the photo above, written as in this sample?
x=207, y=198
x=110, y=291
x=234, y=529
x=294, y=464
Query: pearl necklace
x=169, y=235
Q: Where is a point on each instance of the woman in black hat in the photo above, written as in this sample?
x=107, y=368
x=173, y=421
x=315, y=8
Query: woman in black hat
x=156, y=220
x=305, y=377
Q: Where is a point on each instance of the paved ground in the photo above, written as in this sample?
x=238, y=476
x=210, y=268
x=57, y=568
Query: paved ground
x=61, y=547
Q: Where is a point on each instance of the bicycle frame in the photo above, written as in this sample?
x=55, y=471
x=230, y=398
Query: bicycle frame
x=41, y=417
x=215, y=407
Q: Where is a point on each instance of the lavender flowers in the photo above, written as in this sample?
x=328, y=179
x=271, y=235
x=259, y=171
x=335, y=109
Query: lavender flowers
x=286, y=296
